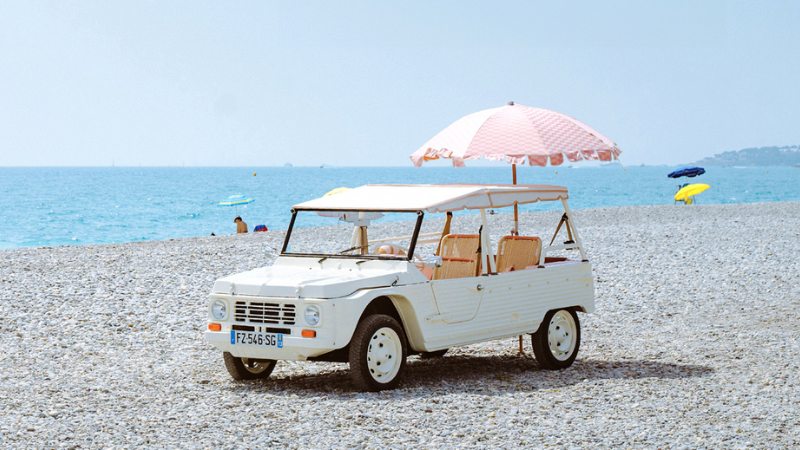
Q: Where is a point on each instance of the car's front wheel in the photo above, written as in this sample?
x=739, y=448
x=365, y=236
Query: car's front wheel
x=248, y=368
x=377, y=353
x=556, y=342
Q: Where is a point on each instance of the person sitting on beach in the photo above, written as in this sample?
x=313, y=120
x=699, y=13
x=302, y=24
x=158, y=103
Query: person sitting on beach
x=241, y=226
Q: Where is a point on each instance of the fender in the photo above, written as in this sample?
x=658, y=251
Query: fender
x=348, y=311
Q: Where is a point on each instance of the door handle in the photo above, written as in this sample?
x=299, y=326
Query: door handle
x=479, y=287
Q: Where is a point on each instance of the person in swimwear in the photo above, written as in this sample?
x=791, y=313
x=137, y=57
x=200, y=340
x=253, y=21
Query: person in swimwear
x=241, y=226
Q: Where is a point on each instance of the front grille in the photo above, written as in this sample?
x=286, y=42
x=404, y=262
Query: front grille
x=265, y=312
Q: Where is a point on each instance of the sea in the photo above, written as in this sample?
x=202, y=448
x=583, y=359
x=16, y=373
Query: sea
x=75, y=206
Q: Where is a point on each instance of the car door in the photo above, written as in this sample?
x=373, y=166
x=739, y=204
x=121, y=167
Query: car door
x=512, y=302
x=458, y=299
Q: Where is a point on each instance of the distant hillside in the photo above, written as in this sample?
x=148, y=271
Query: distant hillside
x=762, y=156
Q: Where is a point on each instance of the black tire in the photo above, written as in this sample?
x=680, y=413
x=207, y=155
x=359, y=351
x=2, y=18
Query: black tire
x=365, y=378
x=248, y=369
x=541, y=340
x=433, y=355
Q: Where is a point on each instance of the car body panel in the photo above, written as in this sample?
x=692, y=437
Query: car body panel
x=433, y=316
x=296, y=277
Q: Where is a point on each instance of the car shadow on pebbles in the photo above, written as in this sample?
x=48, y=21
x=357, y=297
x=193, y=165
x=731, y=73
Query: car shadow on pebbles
x=498, y=374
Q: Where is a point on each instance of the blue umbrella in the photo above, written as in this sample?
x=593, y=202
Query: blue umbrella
x=236, y=200
x=687, y=172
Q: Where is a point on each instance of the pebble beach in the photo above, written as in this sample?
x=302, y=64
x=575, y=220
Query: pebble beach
x=695, y=343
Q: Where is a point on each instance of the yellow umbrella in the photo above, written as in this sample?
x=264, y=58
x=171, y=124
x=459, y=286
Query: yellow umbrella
x=690, y=190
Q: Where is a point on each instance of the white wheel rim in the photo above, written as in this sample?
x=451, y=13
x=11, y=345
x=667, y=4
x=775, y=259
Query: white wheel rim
x=255, y=367
x=562, y=334
x=384, y=355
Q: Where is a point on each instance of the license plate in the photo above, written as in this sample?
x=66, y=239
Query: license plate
x=253, y=338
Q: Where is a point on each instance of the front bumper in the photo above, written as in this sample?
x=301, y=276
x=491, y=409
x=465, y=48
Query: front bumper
x=294, y=348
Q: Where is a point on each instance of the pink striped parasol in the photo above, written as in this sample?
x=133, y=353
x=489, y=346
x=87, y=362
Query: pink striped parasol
x=517, y=134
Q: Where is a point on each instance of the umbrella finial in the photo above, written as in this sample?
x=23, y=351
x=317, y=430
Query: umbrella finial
x=511, y=103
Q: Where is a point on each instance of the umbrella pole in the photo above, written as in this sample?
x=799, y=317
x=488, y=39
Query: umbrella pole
x=362, y=238
x=515, y=232
x=516, y=208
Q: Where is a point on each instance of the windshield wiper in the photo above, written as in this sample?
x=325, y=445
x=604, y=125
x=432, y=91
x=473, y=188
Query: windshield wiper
x=339, y=253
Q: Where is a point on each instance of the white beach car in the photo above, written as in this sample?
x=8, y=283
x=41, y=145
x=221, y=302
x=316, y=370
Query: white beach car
x=341, y=293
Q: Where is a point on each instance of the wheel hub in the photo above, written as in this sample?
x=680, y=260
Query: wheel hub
x=384, y=354
x=561, y=335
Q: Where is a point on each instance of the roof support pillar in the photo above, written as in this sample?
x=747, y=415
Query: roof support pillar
x=486, y=246
x=574, y=228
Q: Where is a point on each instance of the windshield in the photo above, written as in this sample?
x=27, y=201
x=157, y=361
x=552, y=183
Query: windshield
x=353, y=234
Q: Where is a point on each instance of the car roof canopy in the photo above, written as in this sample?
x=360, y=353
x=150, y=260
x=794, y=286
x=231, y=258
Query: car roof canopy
x=434, y=198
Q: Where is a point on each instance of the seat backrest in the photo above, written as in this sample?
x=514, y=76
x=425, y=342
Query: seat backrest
x=460, y=257
x=518, y=252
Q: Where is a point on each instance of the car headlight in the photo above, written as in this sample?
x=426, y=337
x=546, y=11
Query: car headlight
x=219, y=310
x=312, y=315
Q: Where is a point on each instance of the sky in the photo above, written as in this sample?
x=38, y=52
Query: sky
x=209, y=83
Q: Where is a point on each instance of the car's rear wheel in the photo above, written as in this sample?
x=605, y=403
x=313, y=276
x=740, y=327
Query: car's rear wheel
x=377, y=353
x=433, y=355
x=248, y=368
x=556, y=342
